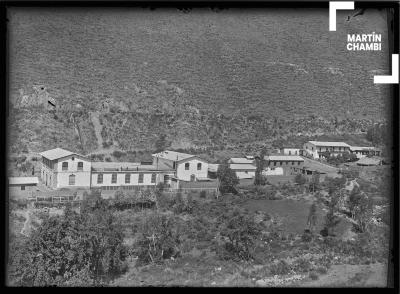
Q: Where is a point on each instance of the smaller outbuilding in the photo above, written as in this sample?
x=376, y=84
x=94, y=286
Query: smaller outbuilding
x=22, y=186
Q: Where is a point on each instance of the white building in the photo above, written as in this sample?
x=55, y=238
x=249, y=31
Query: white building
x=315, y=148
x=243, y=170
x=187, y=167
x=22, y=186
x=362, y=152
x=290, y=151
x=62, y=168
x=129, y=175
x=241, y=160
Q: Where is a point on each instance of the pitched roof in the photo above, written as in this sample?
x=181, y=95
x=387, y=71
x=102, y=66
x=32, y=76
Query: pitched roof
x=240, y=160
x=56, y=153
x=284, y=158
x=242, y=166
x=173, y=155
x=313, y=165
x=23, y=180
x=329, y=144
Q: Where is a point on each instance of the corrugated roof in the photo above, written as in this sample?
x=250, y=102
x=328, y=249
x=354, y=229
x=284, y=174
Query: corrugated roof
x=56, y=153
x=172, y=155
x=329, y=144
x=283, y=158
x=23, y=180
x=240, y=160
x=357, y=148
x=127, y=166
x=242, y=166
x=313, y=165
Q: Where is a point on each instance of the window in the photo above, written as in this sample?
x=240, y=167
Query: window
x=292, y=162
x=187, y=166
x=274, y=163
x=65, y=166
x=80, y=165
x=140, y=178
x=127, y=178
x=153, y=178
x=72, y=158
x=114, y=178
x=199, y=166
x=280, y=163
x=71, y=180
x=290, y=152
x=298, y=163
x=174, y=165
x=22, y=188
x=100, y=179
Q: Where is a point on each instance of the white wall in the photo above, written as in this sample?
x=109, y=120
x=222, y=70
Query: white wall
x=311, y=149
x=245, y=175
x=277, y=171
x=293, y=151
x=73, y=164
x=184, y=175
x=133, y=182
x=82, y=179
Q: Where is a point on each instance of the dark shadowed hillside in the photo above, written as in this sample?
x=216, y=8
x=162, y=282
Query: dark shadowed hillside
x=202, y=78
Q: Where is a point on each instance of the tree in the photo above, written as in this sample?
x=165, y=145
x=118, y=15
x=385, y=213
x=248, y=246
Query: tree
x=300, y=179
x=242, y=233
x=161, y=143
x=70, y=248
x=159, y=238
x=331, y=219
x=228, y=179
x=314, y=184
x=259, y=178
x=312, y=217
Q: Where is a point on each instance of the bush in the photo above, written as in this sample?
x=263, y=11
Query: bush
x=280, y=268
x=314, y=276
x=242, y=232
x=159, y=238
x=300, y=179
x=322, y=270
x=203, y=194
x=118, y=154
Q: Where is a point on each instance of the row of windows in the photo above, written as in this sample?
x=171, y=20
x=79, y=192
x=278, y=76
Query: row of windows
x=122, y=187
x=127, y=178
x=187, y=166
x=287, y=162
x=65, y=165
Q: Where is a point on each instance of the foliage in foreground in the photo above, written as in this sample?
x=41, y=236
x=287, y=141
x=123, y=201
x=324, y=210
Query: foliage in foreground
x=71, y=250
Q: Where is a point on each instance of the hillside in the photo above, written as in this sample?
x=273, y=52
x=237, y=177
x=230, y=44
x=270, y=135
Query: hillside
x=205, y=79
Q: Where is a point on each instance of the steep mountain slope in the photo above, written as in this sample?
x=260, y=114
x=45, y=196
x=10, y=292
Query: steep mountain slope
x=163, y=71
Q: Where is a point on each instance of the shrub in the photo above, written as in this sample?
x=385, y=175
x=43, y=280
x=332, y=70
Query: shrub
x=300, y=179
x=159, y=238
x=203, y=194
x=322, y=270
x=280, y=268
x=242, y=233
x=118, y=154
x=314, y=276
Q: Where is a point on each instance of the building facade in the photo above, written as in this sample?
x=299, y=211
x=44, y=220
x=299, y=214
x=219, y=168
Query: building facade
x=290, y=151
x=317, y=148
x=288, y=164
x=362, y=152
x=62, y=168
x=22, y=186
x=186, y=167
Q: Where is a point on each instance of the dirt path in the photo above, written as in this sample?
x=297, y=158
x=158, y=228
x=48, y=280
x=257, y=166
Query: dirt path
x=348, y=275
x=26, y=228
x=94, y=116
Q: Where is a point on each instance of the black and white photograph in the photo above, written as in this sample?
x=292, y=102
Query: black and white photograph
x=200, y=146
